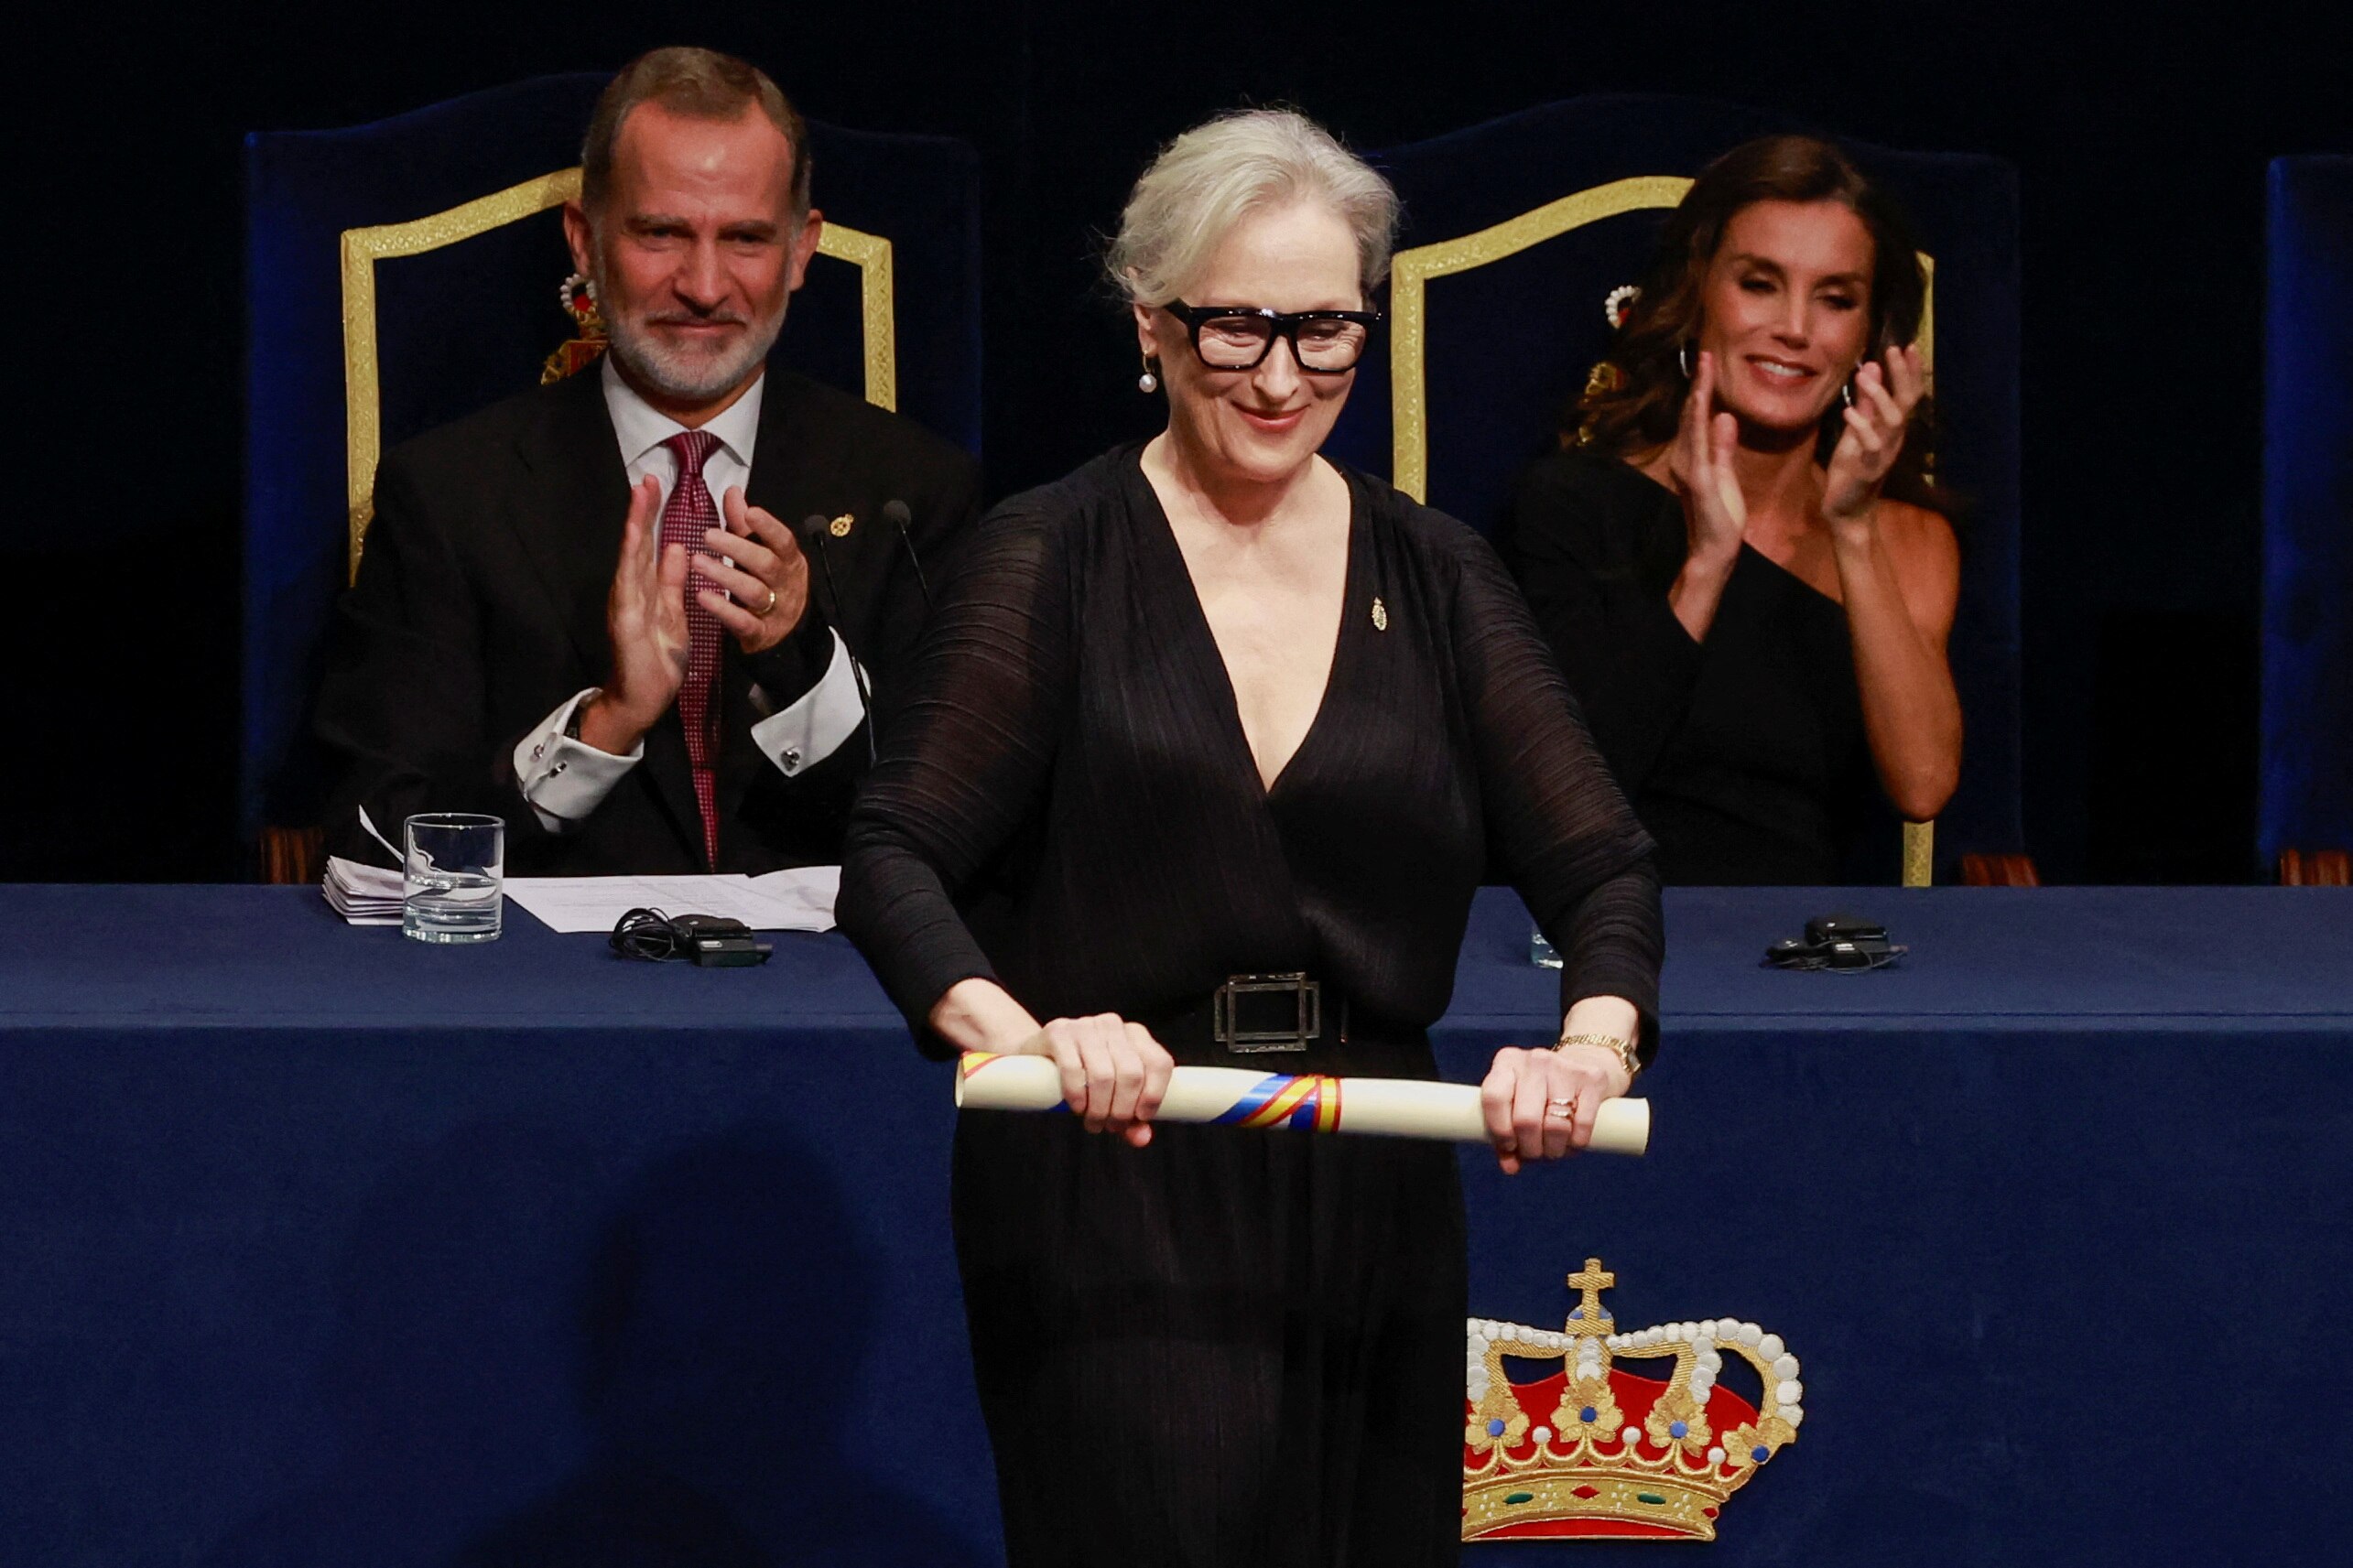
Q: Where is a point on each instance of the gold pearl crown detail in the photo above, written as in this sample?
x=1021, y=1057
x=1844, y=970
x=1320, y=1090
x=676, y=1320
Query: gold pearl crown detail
x=1593, y=1450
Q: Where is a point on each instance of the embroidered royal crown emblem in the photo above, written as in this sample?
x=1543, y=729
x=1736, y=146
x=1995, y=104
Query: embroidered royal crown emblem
x=1592, y=1450
x=579, y=299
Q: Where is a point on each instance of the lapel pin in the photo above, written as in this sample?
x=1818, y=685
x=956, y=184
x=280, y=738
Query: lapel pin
x=839, y=526
x=1380, y=615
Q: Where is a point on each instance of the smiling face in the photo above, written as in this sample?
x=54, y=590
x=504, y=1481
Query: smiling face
x=696, y=253
x=1785, y=310
x=1259, y=426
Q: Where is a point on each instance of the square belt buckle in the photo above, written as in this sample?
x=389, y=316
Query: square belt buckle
x=1294, y=1005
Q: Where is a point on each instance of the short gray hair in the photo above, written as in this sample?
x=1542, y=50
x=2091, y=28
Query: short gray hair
x=699, y=83
x=1221, y=172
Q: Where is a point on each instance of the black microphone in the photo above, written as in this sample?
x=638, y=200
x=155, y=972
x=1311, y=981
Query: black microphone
x=815, y=529
x=895, y=513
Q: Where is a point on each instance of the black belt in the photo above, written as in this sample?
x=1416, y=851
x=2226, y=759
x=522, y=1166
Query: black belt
x=1259, y=1015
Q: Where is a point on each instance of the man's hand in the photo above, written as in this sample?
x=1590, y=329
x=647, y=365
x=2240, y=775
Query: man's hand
x=769, y=580
x=645, y=615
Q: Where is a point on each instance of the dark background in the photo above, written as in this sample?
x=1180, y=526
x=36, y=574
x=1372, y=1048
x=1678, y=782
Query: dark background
x=2140, y=138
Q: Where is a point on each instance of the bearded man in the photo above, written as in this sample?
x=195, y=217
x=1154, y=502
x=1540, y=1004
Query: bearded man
x=581, y=609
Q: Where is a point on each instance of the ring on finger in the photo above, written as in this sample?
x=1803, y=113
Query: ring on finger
x=1563, y=1107
x=770, y=605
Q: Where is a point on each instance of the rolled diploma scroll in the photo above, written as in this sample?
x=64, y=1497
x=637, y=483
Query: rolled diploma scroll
x=1401, y=1107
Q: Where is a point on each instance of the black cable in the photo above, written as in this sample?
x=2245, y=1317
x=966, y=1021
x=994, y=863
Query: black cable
x=895, y=511
x=647, y=934
x=710, y=940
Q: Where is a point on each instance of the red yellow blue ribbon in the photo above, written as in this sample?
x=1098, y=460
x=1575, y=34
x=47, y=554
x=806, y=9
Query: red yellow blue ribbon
x=1308, y=1102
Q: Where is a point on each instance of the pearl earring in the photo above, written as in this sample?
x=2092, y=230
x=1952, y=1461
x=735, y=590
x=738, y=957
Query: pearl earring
x=1147, y=382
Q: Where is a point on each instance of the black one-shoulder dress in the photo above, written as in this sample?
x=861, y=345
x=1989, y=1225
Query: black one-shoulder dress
x=1229, y=1348
x=1745, y=755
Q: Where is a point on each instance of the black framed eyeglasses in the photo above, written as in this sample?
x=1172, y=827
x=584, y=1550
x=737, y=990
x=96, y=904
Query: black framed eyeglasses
x=1240, y=337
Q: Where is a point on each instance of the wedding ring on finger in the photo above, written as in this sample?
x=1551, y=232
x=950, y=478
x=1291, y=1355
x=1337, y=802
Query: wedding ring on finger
x=770, y=605
x=1564, y=1109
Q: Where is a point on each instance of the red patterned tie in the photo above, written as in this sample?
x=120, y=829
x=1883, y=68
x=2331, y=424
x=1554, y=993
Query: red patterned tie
x=685, y=517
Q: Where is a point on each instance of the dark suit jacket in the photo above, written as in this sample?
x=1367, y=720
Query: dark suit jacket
x=480, y=609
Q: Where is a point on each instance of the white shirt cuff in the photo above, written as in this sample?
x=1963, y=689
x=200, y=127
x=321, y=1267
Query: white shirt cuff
x=563, y=779
x=799, y=736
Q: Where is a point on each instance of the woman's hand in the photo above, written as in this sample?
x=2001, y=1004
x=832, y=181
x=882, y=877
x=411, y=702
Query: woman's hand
x=1700, y=460
x=1868, y=448
x=1714, y=513
x=1113, y=1072
x=1540, y=1104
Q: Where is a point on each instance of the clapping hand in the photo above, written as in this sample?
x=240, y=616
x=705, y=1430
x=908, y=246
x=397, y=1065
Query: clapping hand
x=1700, y=460
x=768, y=576
x=1885, y=396
x=646, y=616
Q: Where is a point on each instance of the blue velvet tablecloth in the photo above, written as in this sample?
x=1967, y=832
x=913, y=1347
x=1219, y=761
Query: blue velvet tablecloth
x=321, y=1247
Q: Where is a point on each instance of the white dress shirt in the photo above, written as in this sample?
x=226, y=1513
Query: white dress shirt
x=565, y=778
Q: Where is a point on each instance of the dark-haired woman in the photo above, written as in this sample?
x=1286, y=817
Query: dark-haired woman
x=1737, y=560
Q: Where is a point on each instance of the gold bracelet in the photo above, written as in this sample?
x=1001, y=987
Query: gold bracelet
x=1622, y=1049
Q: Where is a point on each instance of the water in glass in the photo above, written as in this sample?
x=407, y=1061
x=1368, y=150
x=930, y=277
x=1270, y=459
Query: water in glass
x=451, y=906
x=456, y=862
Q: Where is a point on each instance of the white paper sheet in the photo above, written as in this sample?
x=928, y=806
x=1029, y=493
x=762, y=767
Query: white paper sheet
x=362, y=894
x=799, y=900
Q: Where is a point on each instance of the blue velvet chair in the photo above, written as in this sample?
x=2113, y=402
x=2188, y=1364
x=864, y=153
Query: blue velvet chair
x=1515, y=232
x=2305, y=811
x=402, y=273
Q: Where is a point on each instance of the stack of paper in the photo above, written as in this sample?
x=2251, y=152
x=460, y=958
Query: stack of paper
x=799, y=900
x=362, y=895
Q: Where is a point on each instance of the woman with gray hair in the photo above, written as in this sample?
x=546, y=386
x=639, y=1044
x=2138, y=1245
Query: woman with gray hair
x=1202, y=761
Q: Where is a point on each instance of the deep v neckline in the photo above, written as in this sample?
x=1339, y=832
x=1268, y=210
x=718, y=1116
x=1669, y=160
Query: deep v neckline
x=1210, y=658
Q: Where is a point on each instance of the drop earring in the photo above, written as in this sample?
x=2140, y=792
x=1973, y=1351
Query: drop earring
x=1147, y=382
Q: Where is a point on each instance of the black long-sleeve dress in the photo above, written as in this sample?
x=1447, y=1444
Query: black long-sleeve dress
x=1227, y=1348
x=1745, y=756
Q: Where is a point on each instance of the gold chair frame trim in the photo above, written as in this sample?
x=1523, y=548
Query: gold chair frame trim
x=1410, y=272
x=362, y=248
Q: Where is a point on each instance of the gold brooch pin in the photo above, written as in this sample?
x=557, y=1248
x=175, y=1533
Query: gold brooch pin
x=1380, y=615
x=839, y=526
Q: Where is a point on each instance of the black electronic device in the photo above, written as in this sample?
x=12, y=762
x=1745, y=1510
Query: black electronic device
x=713, y=941
x=1827, y=928
x=1843, y=942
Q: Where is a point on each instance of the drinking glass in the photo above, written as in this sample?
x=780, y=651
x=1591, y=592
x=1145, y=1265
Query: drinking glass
x=455, y=865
